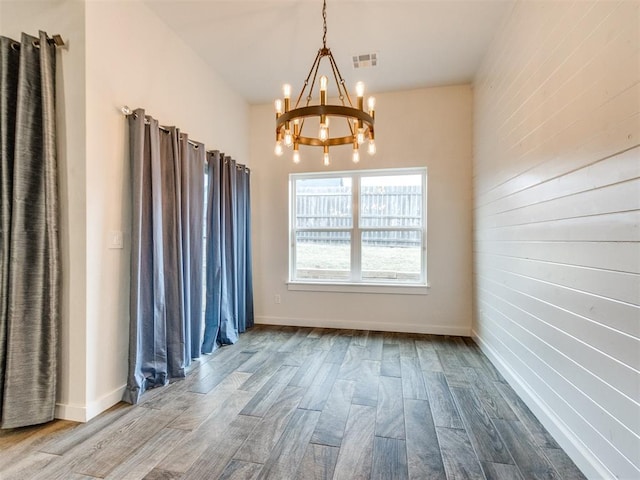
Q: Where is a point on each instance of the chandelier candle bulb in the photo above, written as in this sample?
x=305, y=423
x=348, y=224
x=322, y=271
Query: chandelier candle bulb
x=324, y=133
x=356, y=156
x=296, y=153
x=288, y=138
x=372, y=147
x=323, y=83
x=278, y=150
x=372, y=105
x=278, y=105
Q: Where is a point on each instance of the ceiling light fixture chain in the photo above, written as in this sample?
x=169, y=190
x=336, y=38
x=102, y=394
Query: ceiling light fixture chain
x=291, y=121
x=324, y=24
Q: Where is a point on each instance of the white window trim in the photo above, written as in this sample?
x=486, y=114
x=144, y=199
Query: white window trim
x=360, y=287
x=417, y=288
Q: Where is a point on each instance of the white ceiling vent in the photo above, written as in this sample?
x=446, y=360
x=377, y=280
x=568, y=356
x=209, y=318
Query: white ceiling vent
x=365, y=60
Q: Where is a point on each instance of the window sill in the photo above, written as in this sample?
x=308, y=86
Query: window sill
x=359, y=288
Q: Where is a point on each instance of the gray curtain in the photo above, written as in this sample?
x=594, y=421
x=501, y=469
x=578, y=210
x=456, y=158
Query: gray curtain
x=248, y=256
x=194, y=159
x=229, y=295
x=29, y=249
x=243, y=249
x=166, y=293
x=213, y=253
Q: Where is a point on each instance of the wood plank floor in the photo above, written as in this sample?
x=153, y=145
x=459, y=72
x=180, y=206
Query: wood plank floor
x=302, y=403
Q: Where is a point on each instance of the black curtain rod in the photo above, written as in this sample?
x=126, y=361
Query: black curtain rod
x=126, y=111
x=55, y=40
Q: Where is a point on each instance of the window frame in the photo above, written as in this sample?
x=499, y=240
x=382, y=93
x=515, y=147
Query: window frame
x=355, y=283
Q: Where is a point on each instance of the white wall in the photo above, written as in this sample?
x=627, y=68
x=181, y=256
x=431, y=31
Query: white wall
x=557, y=195
x=67, y=19
x=134, y=59
x=119, y=53
x=428, y=127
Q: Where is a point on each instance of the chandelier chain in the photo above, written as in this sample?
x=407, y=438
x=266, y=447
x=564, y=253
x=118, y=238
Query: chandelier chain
x=324, y=22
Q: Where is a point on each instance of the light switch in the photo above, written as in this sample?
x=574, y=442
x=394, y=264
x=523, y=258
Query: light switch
x=115, y=239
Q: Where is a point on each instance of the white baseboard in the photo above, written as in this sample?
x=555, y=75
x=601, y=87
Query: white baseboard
x=84, y=413
x=582, y=457
x=376, y=326
x=75, y=413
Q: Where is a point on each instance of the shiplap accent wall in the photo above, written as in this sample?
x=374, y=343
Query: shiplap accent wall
x=556, y=222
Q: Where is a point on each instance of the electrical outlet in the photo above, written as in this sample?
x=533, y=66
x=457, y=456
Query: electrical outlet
x=276, y=298
x=116, y=240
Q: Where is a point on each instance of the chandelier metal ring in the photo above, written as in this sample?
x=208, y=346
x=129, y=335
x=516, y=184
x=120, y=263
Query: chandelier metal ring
x=328, y=110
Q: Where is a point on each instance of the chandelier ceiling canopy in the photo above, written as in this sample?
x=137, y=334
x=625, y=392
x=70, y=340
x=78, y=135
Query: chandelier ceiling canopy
x=357, y=123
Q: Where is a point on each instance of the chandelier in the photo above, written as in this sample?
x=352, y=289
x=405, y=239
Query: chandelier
x=357, y=123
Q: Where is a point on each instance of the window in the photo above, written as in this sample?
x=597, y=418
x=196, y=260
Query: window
x=366, y=227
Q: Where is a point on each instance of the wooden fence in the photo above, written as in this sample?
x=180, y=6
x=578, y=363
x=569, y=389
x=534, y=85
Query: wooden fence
x=386, y=207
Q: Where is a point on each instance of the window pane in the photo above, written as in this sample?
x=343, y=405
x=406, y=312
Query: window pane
x=323, y=255
x=323, y=203
x=391, y=255
x=391, y=201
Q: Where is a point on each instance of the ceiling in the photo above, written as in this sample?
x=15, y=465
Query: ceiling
x=257, y=46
